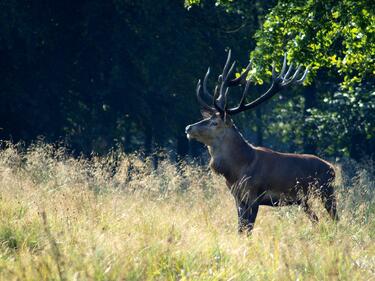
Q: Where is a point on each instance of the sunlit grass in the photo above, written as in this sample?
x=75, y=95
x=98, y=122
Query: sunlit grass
x=115, y=218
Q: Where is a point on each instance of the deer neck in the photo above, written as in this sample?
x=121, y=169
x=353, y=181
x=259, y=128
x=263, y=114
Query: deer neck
x=230, y=154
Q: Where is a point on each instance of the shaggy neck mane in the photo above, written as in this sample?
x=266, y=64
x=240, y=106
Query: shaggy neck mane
x=231, y=153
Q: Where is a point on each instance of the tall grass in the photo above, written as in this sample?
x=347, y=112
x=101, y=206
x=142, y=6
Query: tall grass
x=116, y=218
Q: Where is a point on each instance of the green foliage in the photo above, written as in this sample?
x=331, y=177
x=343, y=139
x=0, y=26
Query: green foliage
x=338, y=35
x=352, y=115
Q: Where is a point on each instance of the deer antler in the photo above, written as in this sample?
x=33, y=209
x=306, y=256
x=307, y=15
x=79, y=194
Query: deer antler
x=201, y=100
x=225, y=83
x=280, y=82
x=219, y=98
x=221, y=89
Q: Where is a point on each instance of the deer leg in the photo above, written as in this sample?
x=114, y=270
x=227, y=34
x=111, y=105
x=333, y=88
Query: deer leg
x=329, y=200
x=310, y=213
x=247, y=214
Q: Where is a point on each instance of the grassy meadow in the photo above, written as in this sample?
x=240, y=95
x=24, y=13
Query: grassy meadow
x=116, y=218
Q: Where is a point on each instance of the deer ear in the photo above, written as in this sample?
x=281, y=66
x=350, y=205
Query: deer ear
x=205, y=113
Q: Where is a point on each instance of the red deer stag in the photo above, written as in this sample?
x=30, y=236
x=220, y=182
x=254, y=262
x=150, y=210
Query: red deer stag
x=257, y=175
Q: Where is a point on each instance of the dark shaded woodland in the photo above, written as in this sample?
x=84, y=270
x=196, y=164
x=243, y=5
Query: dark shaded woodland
x=98, y=74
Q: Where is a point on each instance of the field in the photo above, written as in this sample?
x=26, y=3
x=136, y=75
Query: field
x=116, y=218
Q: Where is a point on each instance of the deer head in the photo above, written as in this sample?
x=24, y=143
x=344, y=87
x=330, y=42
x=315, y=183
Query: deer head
x=217, y=121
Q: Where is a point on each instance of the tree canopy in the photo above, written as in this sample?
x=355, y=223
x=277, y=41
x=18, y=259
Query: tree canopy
x=338, y=35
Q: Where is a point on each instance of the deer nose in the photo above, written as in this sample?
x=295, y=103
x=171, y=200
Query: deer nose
x=187, y=129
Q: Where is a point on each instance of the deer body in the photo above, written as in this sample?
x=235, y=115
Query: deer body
x=260, y=176
x=235, y=158
x=257, y=175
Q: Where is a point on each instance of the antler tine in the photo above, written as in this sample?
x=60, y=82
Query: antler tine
x=225, y=98
x=220, y=101
x=200, y=99
x=225, y=69
x=198, y=91
x=224, y=81
x=216, y=106
x=241, y=78
x=293, y=78
x=230, y=72
x=220, y=79
x=296, y=73
x=216, y=93
x=288, y=72
x=303, y=76
x=243, y=98
x=284, y=66
x=273, y=71
x=205, y=91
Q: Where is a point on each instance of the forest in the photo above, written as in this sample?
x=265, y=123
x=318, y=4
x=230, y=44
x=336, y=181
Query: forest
x=102, y=74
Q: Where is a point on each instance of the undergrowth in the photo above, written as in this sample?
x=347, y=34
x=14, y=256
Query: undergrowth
x=118, y=218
